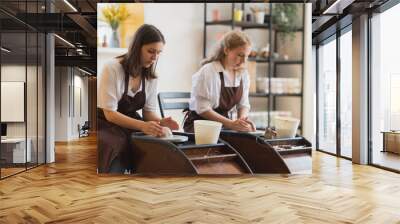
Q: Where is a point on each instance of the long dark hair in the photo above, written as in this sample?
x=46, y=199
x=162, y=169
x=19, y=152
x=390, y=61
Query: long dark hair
x=146, y=34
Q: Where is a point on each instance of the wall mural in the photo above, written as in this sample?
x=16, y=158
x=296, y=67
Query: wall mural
x=133, y=137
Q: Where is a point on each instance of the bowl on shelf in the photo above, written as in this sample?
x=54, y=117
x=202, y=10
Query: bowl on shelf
x=262, y=85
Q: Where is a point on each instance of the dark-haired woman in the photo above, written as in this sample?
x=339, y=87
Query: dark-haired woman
x=128, y=84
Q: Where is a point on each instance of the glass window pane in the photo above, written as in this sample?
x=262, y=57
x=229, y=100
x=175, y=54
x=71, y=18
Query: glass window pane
x=327, y=97
x=346, y=94
x=386, y=89
x=31, y=97
x=13, y=84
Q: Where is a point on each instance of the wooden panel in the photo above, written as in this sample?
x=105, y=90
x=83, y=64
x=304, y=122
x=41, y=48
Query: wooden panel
x=70, y=191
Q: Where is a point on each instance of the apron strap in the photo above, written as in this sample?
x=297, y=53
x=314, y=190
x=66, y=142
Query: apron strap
x=221, y=77
x=126, y=84
x=143, y=84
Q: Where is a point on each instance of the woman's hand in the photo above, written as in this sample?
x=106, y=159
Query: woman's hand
x=169, y=122
x=239, y=125
x=246, y=119
x=152, y=128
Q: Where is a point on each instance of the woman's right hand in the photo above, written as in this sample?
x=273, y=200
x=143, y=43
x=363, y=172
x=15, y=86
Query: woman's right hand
x=239, y=125
x=152, y=128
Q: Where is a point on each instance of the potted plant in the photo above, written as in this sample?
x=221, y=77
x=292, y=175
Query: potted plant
x=114, y=15
x=284, y=16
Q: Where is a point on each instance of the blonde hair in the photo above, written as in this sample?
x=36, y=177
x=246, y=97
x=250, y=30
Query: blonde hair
x=231, y=40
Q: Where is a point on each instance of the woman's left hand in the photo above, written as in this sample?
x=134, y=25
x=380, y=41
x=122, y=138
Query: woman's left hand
x=169, y=122
x=246, y=119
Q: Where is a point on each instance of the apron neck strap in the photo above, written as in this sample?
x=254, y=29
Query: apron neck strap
x=221, y=77
x=143, y=84
x=126, y=83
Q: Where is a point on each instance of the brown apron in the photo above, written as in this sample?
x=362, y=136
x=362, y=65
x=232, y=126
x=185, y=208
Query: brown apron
x=230, y=96
x=113, y=141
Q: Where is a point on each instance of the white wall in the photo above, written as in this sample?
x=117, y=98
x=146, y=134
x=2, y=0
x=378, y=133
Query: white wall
x=61, y=103
x=183, y=51
x=67, y=114
x=17, y=73
x=34, y=124
x=182, y=26
x=184, y=43
x=81, y=104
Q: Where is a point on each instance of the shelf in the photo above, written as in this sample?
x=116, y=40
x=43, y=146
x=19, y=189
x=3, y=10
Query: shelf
x=275, y=94
x=288, y=61
x=191, y=146
x=259, y=59
x=276, y=61
x=244, y=25
x=305, y=150
x=247, y=25
x=110, y=50
x=262, y=127
x=296, y=30
x=213, y=157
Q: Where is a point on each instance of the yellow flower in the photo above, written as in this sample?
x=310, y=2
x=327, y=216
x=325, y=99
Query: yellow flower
x=114, y=14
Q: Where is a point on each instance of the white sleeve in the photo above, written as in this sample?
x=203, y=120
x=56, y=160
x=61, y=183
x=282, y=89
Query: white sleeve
x=151, y=96
x=108, y=89
x=244, y=101
x=202, y=105
x=202, y=91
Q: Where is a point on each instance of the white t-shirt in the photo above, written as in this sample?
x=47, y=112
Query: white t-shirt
x=112, y=86
x=206, y=87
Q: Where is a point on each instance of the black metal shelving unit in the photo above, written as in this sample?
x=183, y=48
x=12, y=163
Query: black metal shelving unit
x=274, y=62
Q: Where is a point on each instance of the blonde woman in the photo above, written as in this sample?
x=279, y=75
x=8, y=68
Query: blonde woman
x=221, y=84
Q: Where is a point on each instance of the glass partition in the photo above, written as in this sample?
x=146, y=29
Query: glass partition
x=346, y=94
x=31, y=98
x=327, y=97
x=22, y=64
x=13, y=86
x=385, y=89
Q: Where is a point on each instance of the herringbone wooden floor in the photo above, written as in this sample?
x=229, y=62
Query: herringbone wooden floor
x=70, y=191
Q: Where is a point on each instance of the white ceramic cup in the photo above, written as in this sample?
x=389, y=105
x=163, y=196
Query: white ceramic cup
x=206, y=132
x=286, y=127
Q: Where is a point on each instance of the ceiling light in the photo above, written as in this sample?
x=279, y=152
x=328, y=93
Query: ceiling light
x=70, y=5
x=5, y=49
x=84, y=71
x=64, y=40
x=337, y=7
